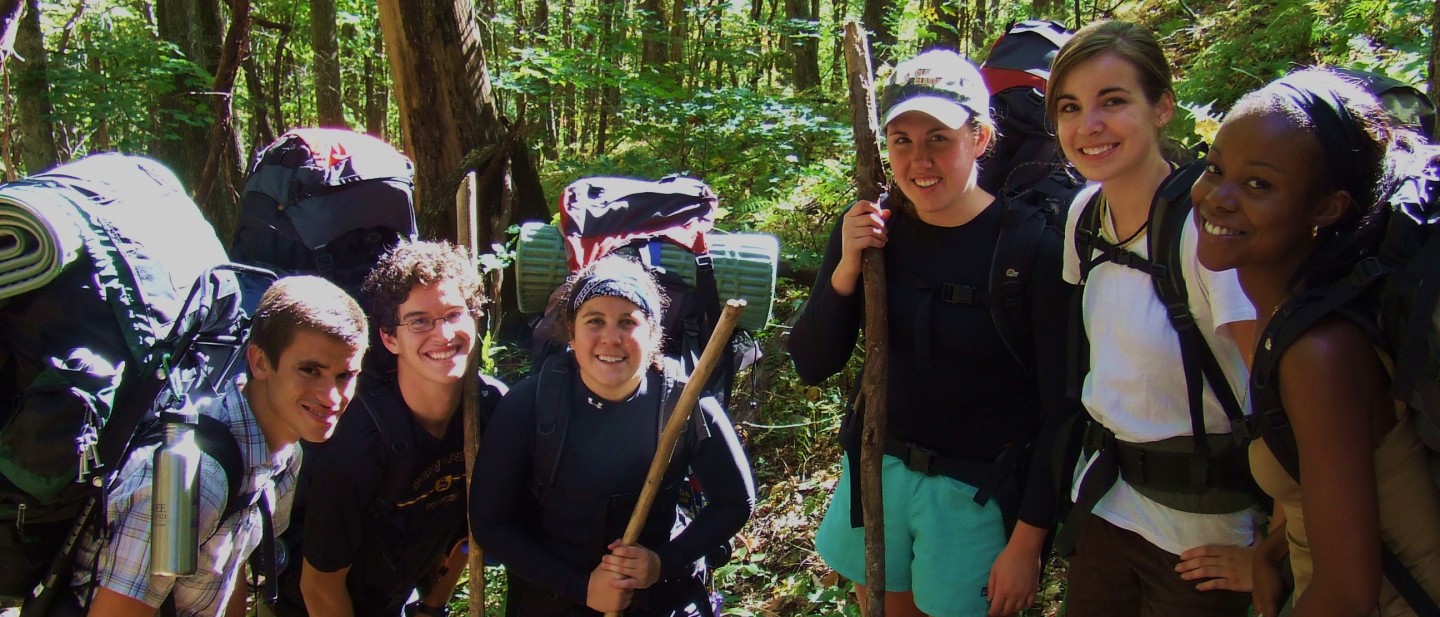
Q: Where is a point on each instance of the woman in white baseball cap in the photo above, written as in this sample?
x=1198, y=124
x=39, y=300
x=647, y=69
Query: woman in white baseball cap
x=969, y=392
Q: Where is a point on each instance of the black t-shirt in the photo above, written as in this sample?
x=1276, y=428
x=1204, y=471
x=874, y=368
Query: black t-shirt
x=968, y=397
x=386, y=503
x=603, y=463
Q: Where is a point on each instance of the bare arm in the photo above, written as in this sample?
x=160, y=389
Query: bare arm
x=324, y=592
x=111, y=604
x=1335, y=393
x=236, y=606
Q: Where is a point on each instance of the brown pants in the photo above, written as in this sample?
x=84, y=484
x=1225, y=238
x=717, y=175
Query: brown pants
x=1117, y=573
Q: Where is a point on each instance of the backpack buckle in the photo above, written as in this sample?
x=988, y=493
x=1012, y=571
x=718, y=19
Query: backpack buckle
x=1180, y=317
x=1244, y=430
x=1367, y=270
x=920, y=458
x=951, y=293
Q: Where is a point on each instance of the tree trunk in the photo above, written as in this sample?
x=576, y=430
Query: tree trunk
x=545, y=103
x=945, y=30
x=377, y=95
x=261, y=131
x=977, y=33
x=679, y=19
x=328, y=107
x=655, y=27
x=612, y=35
x=193, y=26
x=804, y=47
x=11, y=11
x=876, y=20
x=38, y=151
x=1433, y=86
x=218, y=189
x=448, y=118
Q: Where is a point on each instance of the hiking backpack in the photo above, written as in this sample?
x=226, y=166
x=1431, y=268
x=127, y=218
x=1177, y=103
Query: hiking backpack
x=667, y=225
x=1025, y=162
x=329, y=202
x=114, y=320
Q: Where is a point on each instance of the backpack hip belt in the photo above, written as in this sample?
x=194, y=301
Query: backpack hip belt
x=983, y=475
x=1171, y=472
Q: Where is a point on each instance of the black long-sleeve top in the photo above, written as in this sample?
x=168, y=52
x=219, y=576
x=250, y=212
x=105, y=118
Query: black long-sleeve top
x=972, y=398
x=603, y=464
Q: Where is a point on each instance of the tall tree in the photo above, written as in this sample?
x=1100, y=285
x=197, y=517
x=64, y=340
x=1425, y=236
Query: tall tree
x=449, y=120
x=612, y=37
x=1433, y=84
x=377, y=95
x=804, y=45
x=193, y=27
x=217, y=191
x=876, y=19
x=945, y=28
x=38, y=150
x=323, y=41
x=655, y=30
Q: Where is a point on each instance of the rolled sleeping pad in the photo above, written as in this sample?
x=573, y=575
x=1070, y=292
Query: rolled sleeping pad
x=745, y=268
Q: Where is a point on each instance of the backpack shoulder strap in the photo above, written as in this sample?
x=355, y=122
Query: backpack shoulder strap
x=1021, y=226
x=1169, y=213
x=1087, y=232
x=214, y=438
x=387, y=411
x=552, y=417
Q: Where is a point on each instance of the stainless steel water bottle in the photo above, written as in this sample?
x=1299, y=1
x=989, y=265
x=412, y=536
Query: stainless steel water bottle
x=175, y=503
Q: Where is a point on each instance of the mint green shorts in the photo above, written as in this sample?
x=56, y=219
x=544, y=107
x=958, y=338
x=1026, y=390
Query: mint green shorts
x=939, y=543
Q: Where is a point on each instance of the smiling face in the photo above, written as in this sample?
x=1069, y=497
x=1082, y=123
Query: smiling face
x=1106, y=126
x=1260, y=197
x=301, y=394
x=613, y=344
x=933, y=164
x=438, y=358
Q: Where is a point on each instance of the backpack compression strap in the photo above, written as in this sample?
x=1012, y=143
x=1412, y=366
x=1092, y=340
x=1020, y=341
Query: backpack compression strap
x=381, y=402
x=1021, y=227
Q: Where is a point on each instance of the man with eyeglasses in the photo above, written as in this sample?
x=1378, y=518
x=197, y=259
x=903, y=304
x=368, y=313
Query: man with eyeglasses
x=383, y=502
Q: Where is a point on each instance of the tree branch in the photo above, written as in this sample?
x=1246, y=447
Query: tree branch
x=224, y=90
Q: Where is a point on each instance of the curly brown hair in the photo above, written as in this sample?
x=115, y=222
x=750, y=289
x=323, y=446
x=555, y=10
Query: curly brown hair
x=418, y=263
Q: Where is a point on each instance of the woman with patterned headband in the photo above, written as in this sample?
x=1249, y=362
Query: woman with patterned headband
x=567, y=453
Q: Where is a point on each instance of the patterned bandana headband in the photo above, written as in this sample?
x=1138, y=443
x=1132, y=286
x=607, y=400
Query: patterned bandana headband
x=1339, y=132
x=625, y=287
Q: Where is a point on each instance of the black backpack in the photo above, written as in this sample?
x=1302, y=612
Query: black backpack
x=139, y=318
x=552, y=419
x=1025, y=163
x=1391, y=296
x=1203, y=467
x=329, y=202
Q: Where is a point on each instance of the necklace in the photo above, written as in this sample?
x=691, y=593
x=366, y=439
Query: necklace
x=1105, y=212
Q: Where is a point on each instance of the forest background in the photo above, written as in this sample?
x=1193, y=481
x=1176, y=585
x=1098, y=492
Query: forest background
x=748, y=95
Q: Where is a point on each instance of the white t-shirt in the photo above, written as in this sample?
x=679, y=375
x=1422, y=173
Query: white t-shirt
x=1136, y=384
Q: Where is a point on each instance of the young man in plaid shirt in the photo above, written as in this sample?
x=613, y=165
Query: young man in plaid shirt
x=304, y=353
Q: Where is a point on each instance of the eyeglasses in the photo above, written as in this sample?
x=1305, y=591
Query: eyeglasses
x=421, y=325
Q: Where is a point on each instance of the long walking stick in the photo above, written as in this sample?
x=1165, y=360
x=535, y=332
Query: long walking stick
x=714, y=350
x=869, y=180
x=466, y=224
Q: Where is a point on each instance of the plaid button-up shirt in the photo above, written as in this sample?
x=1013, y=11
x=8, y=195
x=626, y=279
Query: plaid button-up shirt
x=119, y=555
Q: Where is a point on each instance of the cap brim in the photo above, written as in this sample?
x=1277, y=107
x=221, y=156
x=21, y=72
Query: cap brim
x=948, y=112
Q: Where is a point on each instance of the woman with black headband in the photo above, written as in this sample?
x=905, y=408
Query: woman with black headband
x=1293, y=196
x=567, y=453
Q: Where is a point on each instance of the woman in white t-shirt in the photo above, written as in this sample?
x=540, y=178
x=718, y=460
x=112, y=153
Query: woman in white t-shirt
x=1110, y=97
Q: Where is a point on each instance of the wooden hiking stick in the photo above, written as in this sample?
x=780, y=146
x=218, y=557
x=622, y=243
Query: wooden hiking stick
x=714, y=351
x=869, y=185
x=467, y=220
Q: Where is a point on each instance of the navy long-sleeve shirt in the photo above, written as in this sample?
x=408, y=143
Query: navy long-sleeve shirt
x=968, y=397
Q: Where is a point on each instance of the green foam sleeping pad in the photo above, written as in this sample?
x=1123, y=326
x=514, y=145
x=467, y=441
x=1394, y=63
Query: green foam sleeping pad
x=745, y=268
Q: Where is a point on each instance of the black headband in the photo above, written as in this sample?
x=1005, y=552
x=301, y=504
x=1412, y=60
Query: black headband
x=1340, y=133
x=618, y=286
